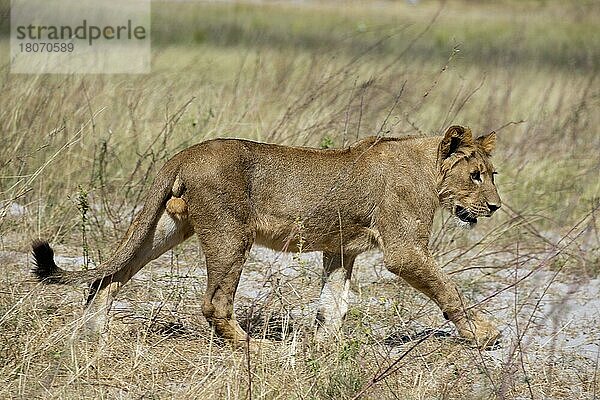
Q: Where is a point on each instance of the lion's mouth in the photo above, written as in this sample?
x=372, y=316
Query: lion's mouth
x=465, y=215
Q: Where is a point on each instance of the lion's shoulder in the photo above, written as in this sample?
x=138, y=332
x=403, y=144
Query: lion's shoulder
x=373, y=141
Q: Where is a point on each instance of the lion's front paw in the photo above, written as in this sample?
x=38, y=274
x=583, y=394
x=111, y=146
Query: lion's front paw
x=479, y=330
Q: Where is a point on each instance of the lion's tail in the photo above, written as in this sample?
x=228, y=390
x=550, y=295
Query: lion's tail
x=46, y=270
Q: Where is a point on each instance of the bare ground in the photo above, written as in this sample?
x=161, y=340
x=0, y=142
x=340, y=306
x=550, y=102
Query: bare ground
x=395, y=344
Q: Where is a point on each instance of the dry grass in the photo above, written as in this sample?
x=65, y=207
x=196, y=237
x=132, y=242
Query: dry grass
x=80, y=150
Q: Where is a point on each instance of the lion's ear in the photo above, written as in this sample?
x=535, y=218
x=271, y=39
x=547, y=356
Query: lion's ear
x=487, y=143
x=456, y=136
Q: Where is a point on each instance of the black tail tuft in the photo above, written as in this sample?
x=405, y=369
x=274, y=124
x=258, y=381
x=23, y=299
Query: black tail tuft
x=45, y=269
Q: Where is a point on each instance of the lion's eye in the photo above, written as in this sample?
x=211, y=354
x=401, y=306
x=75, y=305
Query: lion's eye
x=476, y=176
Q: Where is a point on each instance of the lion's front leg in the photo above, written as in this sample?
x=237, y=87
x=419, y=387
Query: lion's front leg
x=418, y=268
x=333, y=302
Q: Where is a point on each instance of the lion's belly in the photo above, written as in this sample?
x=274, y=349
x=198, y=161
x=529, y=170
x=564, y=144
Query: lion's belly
x=283, y=235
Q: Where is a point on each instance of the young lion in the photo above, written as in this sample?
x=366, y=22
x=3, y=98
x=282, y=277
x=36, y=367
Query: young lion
x=233, y=193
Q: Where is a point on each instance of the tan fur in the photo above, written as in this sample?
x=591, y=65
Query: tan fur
x=380, y=192
x=487, y=143
x=177, y=207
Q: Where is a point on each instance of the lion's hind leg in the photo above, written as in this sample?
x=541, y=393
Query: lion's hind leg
x=226, y=252
x=169, y=231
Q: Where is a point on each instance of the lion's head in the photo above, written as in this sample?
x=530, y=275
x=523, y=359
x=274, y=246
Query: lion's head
x=466, y=175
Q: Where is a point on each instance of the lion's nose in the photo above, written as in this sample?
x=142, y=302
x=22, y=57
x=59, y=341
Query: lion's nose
x=493, y=207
